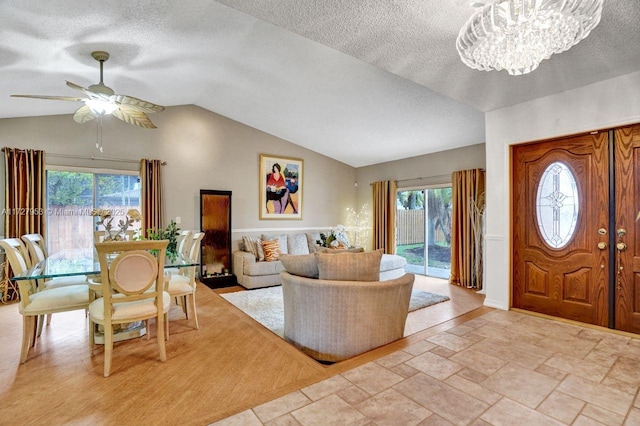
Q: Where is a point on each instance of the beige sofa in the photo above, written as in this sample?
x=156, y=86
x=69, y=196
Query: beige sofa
x=334, y=320
x=253, y=273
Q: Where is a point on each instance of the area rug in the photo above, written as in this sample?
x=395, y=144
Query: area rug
x=265, y=305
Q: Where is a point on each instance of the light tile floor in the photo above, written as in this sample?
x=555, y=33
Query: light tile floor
x=503, y=368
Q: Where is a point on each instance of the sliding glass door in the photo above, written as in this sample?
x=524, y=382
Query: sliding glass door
x=72, y=194
x=423, y=230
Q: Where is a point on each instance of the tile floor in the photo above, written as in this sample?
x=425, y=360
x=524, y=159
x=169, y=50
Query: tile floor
x=503, y=368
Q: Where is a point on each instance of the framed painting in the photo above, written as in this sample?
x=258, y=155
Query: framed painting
x=280, y=187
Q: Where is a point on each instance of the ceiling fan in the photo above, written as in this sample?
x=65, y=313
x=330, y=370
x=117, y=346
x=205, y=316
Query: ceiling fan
x=101, y=100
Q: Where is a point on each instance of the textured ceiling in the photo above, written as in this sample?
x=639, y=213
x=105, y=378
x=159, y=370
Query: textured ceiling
x=360, y=81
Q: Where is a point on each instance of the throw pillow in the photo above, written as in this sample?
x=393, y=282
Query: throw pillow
x=312, y=238
x=304, y=265
x=297, y=244
x=271, y=250
x=253, y=245
x=349, y=266
x=282, y=241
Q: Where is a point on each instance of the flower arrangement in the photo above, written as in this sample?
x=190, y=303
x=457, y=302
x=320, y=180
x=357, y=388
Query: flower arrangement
x=337, y=238
x=106, y=219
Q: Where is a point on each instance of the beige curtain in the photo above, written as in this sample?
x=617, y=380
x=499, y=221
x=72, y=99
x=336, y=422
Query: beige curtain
x=466, y=228
x=24, y=192
x=384, y=216
x=152, y=204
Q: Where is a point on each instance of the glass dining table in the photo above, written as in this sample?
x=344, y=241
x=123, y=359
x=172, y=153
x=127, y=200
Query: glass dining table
x=73, y=262
x=77, y=262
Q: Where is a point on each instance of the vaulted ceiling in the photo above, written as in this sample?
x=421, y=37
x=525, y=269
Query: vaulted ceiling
x=361, y=81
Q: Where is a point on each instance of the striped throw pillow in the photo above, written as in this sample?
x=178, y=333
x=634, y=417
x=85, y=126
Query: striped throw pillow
x=271, y=250
x=253, y=245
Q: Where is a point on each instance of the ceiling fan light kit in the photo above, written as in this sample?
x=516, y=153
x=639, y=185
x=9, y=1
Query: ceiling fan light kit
x=100, y=100
x=516, y=35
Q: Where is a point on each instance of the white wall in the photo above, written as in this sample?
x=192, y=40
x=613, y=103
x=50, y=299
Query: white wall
x=598, y=106
x=204, y=151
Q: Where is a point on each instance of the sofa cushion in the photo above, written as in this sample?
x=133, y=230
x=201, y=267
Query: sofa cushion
x=271, y=250
x=253, y=245
x=392, y=261
x=349, y=266
x=262, y=268
x=304, y=265
x=282, y=241
x=297, y=244
x=340, y=250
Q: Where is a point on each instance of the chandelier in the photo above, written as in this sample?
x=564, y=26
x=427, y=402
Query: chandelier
x=516, y=35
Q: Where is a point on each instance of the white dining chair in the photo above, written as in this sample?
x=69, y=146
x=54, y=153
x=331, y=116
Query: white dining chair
x=183, y=245
x=34, y=304
x=182, y=286
x=37, y=248
x=132, y=290
x=184, y=241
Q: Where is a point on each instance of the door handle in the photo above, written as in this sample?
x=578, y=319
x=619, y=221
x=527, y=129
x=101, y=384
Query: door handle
x=621, y=246
x=602, y=245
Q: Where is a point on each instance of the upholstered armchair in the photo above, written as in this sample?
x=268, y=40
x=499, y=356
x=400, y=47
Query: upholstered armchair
x=332, y=320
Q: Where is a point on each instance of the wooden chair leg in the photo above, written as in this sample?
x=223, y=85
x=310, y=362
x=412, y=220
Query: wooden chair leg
x=194, y=313
x=28, y=326
x=146, y=326
x=185, y=306
x=108, y=348
x=160, y=322
x=49, y=319
x=166, y=325
x=39, y=326
x=92, y=334
x=37, y=321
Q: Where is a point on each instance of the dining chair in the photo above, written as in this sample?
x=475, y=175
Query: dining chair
x=183, y=244
x=35, y=304
x=37, y=248
x=182, y=286
x=132, y=290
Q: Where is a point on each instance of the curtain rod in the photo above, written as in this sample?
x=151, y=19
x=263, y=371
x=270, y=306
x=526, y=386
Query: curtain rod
x=86, y=157
x=83, y=157
x=430, y=177
x=424, y=177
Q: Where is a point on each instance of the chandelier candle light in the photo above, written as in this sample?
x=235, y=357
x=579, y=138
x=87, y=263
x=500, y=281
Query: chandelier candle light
x=516, y=35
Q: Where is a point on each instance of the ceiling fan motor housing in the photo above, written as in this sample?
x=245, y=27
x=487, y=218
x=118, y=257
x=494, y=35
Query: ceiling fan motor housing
x=100, y=55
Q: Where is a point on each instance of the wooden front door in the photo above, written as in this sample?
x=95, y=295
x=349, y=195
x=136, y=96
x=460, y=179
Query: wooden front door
x=626, y=250
x=560, y=215
x=575, y=205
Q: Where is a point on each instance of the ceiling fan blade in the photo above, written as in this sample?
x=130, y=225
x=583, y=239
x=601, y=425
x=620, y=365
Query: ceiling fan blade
x=83, y=114
x=89, y=93
x=53, y=98
x=133, y=116
x=136, y=104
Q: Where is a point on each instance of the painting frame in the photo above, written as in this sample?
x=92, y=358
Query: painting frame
x=281, y=189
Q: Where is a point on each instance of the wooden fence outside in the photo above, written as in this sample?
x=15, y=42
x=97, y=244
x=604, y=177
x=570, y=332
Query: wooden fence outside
x=72, y=226
x=410, y=228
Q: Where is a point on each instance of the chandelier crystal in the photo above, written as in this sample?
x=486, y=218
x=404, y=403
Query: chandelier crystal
x=516, y=35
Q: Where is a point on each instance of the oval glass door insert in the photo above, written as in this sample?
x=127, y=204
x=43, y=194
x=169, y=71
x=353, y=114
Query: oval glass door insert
x=557, y=205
